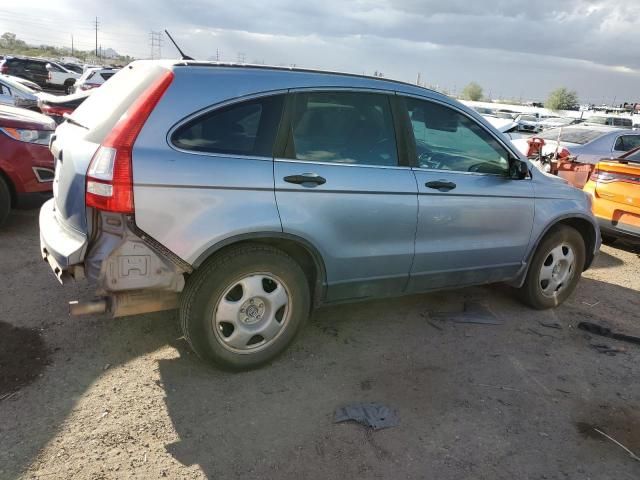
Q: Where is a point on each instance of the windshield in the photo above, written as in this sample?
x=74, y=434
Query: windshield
x=528, y=118
x=634, y=157
x=572, y=135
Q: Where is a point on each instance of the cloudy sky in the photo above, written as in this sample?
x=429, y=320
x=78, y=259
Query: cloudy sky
x=513, y=48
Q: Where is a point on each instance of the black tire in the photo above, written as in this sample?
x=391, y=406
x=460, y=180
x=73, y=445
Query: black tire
x=532, y=292
x=5, y=200
x=68, y=86
x=207, y=285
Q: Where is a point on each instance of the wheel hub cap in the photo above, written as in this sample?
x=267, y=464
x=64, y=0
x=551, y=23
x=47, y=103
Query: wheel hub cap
x=252, y=311
x=557, y=270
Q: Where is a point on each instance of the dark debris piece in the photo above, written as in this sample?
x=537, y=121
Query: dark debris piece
x=474, y=312
x=373, y=415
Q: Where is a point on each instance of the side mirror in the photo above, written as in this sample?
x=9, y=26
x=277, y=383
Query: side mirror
x=518, y=170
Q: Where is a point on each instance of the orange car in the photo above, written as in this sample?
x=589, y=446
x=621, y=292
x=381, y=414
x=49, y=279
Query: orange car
x=615, y=189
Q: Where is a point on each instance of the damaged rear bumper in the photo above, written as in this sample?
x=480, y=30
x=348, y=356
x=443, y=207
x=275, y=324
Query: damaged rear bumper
x=61, y=247
x=130, y=275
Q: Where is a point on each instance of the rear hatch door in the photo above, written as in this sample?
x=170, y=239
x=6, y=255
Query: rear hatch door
x=78, y=138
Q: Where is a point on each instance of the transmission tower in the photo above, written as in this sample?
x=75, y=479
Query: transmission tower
x=155, y=40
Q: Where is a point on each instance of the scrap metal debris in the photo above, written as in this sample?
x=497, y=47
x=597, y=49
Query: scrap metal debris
x=373, y=415
x=607, y=332
x=555, y=325
x=473, y=312
x=607, y=349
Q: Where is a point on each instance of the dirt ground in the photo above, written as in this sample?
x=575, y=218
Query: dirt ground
x=126, y=399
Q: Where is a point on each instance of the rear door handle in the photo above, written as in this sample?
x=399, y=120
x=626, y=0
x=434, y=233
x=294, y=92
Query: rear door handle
x=312, y=178
x=441, y=185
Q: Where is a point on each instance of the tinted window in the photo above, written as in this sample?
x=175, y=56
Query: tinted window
x=627, y=142
x=247, y=128
x=54, y=68
x=36, y=66
x=343, y=127
x=449, y=140
x=106, y=76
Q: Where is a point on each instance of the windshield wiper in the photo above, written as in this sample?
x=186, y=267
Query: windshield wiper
x=70, y=119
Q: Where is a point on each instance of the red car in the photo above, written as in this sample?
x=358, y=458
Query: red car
x=26, y=164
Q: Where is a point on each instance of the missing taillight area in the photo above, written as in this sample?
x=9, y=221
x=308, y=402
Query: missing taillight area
x=110, y=174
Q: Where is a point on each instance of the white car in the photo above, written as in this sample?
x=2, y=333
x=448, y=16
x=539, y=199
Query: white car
x=93, y=78
x=528, y=123
x=60, y=77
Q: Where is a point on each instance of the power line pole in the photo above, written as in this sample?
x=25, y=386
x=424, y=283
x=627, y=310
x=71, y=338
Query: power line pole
x=156, y=44
x=96, y=25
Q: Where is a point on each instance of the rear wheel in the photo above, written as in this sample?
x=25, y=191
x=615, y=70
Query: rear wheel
x=68, y=86
x=245, y=306
x=555, y=269
x=5, y=201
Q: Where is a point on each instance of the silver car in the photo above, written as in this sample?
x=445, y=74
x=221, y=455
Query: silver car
x=589, y=143
x=247, y=196
x=15, y=93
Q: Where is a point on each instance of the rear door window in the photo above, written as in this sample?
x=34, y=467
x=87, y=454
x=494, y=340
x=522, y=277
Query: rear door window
x=448, y=140
x=246, y=128
x=624, y=143
x=343, y=127
x=106, y=75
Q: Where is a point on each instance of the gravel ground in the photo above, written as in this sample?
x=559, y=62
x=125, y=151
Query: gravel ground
x=125, y=398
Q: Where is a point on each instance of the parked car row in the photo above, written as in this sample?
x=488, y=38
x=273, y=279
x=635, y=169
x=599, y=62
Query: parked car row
x=53, y=75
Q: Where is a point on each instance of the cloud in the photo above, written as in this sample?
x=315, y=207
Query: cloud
x=511, y=46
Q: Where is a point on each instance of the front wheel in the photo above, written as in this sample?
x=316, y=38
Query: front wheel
x=245, y=306
x=555, y=269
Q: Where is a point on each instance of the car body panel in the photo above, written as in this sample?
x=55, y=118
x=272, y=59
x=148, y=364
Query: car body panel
x=362, y=221
x=616, y=203
x=476, y=233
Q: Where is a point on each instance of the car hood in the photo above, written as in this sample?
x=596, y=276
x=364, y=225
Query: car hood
x=501, y=124
x=15, y=117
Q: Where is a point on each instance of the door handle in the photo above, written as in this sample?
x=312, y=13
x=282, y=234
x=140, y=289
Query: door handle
x=306, y=178
x=441, y=185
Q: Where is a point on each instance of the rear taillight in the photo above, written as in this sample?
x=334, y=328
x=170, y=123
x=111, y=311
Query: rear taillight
x=54, y=110
x=49, y=75
x=4, y=68
x=110, y=174
x=604, y=176
x=89, y=86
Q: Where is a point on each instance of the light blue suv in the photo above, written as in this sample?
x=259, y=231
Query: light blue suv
x=246, y=196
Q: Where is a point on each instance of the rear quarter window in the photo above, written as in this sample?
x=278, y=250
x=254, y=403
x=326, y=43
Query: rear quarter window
x=245, y=128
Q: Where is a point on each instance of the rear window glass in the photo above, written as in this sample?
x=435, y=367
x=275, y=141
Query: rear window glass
x=105, y=106
x=579, y=136
x=246, y=128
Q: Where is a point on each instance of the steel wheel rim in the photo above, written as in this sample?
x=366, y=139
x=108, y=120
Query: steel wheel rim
x=252, y=313
x=557, y=270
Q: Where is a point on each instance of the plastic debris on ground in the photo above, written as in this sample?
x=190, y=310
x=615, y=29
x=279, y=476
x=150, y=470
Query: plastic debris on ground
x=373, y=415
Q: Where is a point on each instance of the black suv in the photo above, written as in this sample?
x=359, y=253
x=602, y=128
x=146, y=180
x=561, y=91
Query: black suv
x=33, y=69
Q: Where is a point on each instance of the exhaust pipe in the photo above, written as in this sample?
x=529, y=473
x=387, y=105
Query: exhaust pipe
x=99, y=305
